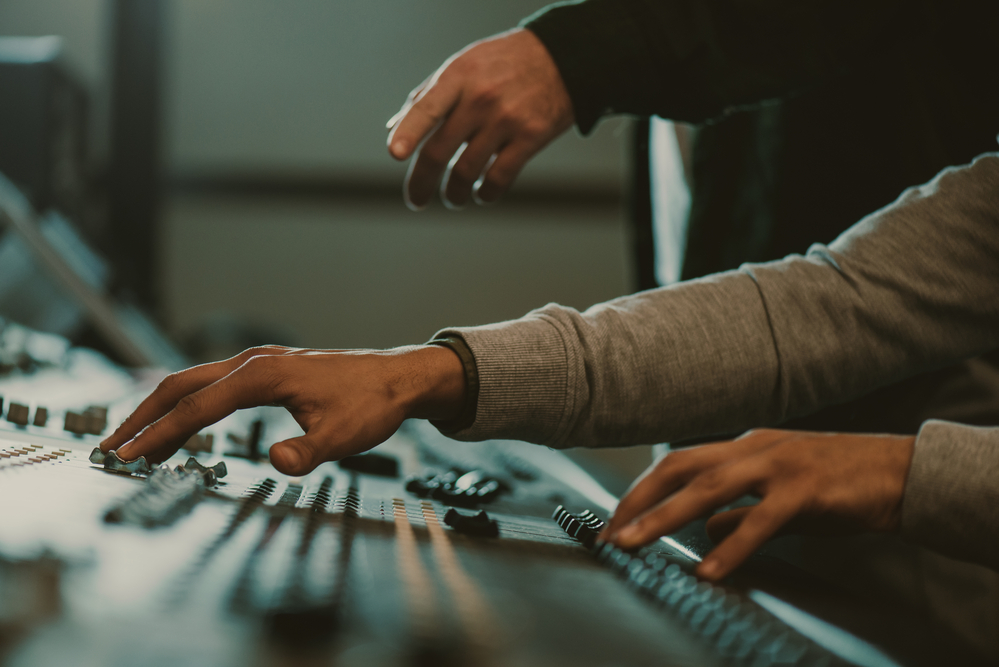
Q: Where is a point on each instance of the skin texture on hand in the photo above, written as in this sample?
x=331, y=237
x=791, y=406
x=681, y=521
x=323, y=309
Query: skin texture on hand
x=478, y=120
x=814, y=482
x=346, y=401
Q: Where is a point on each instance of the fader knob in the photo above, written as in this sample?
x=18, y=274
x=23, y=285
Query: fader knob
x=479, y=524
x=41, y=417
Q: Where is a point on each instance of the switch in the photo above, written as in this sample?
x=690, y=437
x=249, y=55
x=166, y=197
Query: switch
x=18, y=414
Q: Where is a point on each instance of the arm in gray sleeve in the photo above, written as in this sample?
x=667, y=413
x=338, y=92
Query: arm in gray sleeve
x=912, y=287
x=951, y=501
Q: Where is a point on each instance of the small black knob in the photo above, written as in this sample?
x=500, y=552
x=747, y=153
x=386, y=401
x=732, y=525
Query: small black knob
x=479, y=525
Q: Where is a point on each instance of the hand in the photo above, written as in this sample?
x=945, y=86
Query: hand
x=815, y=481
x=346, y=401
x=485, y=113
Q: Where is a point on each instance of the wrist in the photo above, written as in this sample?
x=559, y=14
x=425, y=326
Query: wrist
x=431, y=383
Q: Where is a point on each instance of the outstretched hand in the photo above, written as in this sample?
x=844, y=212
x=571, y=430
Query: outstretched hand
x=346, y=401
x=478, y=120
x=806, y=481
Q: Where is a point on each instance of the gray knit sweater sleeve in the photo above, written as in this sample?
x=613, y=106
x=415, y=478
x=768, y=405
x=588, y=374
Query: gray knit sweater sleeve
x=912, y=287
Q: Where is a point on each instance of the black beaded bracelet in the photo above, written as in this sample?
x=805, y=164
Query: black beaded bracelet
x=466, y=417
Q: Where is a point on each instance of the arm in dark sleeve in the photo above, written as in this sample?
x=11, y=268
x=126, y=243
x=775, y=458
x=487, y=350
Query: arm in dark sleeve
x=693, y=60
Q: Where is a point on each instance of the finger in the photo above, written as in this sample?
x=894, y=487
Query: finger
x=297, y=456
x=659, y=481
x=434, y=156
x=709, y=490
x=173, y=388
x=468, y=167
x=252, y=384
x=163, y=399
x=723, y=524
x=758, y=525
x=500, y=175
x=410, y=99
x=425, y=114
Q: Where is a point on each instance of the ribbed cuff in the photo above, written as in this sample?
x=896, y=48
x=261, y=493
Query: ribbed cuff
x=524, y=370
x=466, y=417
x=951, y=501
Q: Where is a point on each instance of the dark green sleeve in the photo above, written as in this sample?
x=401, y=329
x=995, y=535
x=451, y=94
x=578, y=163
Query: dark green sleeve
x=694, y=60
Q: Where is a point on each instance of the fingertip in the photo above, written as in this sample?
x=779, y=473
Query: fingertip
x=125, y=450
x=710, y=568
x=449, y=203
x=286, y=458
x=484, y=195
x=410, y=204
x=627, y=537
x=400, y=148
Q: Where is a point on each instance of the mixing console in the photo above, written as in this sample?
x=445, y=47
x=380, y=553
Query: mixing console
x=426, y=552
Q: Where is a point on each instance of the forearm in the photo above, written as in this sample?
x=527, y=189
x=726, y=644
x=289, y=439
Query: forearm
x=694, y=59
x=906, y=290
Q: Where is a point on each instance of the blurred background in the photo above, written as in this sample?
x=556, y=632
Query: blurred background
x=238, y=182
x=214, y=173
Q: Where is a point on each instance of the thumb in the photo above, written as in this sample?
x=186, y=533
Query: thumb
x=297, y=456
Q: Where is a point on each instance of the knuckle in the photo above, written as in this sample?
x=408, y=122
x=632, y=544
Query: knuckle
x=264, y=350
x=534, y=129
x=509, y=117
x=265, y=369
x=485, y=96
x=710, y=480
x=260, y=362
x=189, y=407
x=673, y=462
x=172, y=382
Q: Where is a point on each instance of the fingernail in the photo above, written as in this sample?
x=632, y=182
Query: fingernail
x=124, y=450
x=292, y=458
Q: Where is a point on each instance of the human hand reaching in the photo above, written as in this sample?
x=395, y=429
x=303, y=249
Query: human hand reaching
x=806, y=481
x=346, y=401
x=480, y=118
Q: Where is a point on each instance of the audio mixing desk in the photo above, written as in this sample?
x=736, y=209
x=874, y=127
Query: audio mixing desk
x=428, y=552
